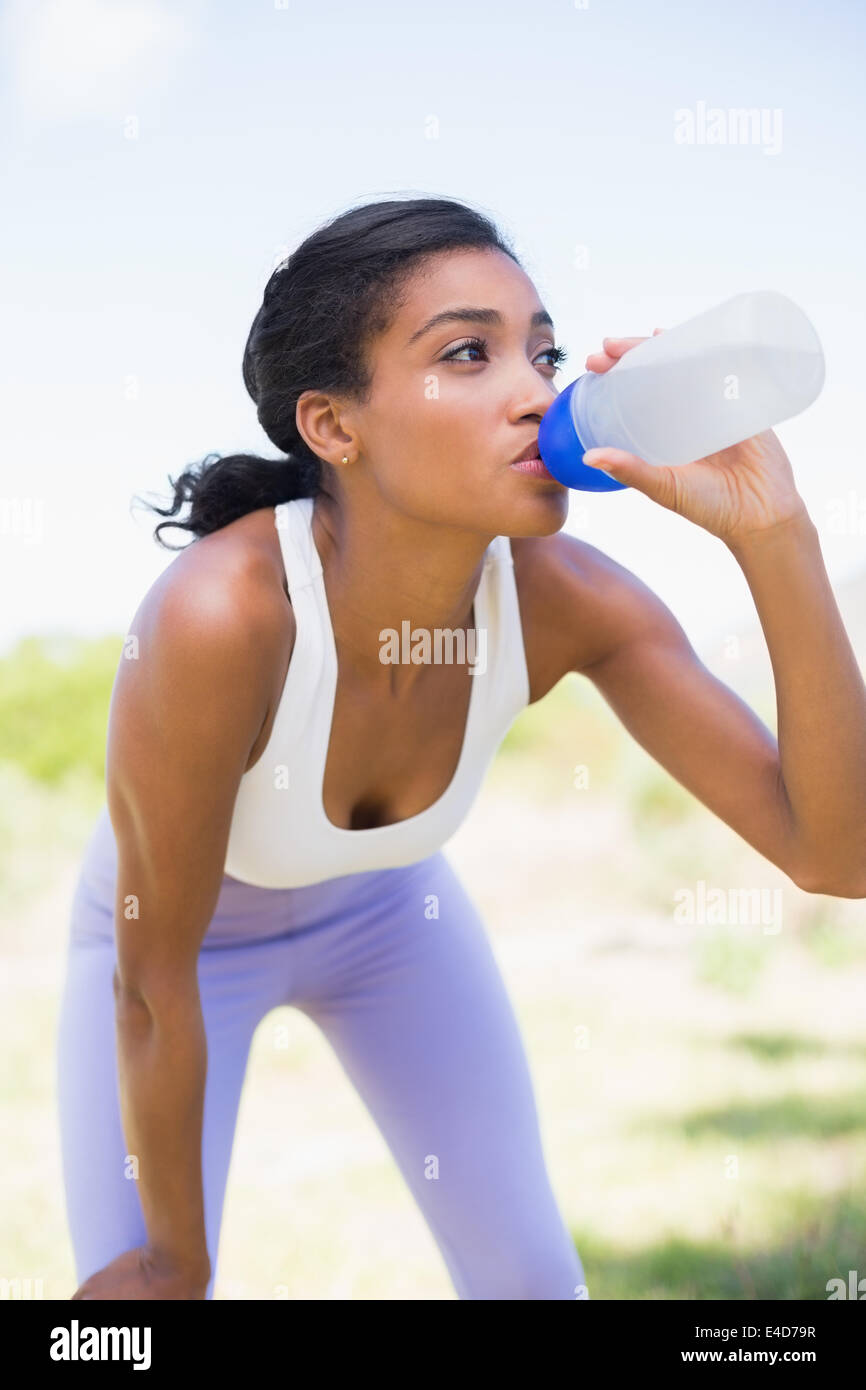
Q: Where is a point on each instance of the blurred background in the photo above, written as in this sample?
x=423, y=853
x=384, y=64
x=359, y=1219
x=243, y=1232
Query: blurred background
x=700, y=1087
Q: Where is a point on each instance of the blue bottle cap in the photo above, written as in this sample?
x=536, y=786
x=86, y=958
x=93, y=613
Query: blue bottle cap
x=561, y=449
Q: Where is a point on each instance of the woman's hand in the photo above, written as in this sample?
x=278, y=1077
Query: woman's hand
x=746, y=488
x=141, y=1274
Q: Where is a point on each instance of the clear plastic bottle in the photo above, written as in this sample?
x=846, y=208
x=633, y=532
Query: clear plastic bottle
x=720, y=377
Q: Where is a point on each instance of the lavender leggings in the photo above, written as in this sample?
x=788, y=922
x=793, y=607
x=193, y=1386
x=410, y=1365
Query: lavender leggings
x=414, y=1006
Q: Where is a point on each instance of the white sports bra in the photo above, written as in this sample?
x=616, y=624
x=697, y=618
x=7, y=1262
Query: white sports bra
x=280, y=836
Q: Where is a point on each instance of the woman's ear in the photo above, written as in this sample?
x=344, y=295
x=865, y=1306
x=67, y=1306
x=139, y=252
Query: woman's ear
x=318, y=419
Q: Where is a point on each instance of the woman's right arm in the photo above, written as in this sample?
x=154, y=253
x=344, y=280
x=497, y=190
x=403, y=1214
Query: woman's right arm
x=186, y=709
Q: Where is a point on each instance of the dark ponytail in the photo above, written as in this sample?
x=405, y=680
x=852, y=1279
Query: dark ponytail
x=321, y=308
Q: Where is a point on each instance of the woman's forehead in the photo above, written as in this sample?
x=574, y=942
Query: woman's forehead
x=492, y=286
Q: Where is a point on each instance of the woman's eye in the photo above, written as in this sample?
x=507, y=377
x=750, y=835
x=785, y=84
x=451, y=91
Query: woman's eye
x=556, y=354
x=472, y=345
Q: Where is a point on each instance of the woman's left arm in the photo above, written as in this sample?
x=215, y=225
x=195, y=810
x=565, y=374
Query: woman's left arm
x=820, y=697
x=746, y=496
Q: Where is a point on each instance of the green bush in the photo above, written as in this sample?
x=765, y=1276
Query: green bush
x=54, y=699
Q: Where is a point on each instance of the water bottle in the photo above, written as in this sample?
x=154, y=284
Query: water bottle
x=717, y=378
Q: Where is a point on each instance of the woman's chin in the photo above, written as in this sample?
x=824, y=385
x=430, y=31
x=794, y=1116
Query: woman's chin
x=540, y=511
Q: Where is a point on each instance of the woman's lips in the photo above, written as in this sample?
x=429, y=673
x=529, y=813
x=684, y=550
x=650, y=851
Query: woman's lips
x=534, y=466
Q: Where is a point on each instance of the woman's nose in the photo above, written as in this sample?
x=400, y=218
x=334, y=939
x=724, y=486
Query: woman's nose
x=532, y=395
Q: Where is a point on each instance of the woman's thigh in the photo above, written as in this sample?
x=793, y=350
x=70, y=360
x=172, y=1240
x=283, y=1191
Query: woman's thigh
x=411, y=999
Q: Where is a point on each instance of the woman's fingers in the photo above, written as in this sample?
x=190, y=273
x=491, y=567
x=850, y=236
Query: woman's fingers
x=610, y=354
x=618, y=346
x=612, y=351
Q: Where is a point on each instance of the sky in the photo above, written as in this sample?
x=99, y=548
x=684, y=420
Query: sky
x=158, y=159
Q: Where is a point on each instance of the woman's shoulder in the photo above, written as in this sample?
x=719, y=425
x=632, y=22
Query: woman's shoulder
x=233, y=576
x=219, y=608
x=193, y=691
x=575, y=601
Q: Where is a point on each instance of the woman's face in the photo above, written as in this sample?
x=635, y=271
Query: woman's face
x=446, y=416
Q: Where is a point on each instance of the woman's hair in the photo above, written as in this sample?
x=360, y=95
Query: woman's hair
x=321, y=308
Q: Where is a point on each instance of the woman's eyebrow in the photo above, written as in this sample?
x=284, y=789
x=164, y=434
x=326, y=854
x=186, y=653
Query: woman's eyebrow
x=471, y=315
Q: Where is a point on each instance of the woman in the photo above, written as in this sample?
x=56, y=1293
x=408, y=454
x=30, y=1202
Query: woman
x=273, y=833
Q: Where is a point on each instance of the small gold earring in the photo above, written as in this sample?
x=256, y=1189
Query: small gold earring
x=345, y=459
